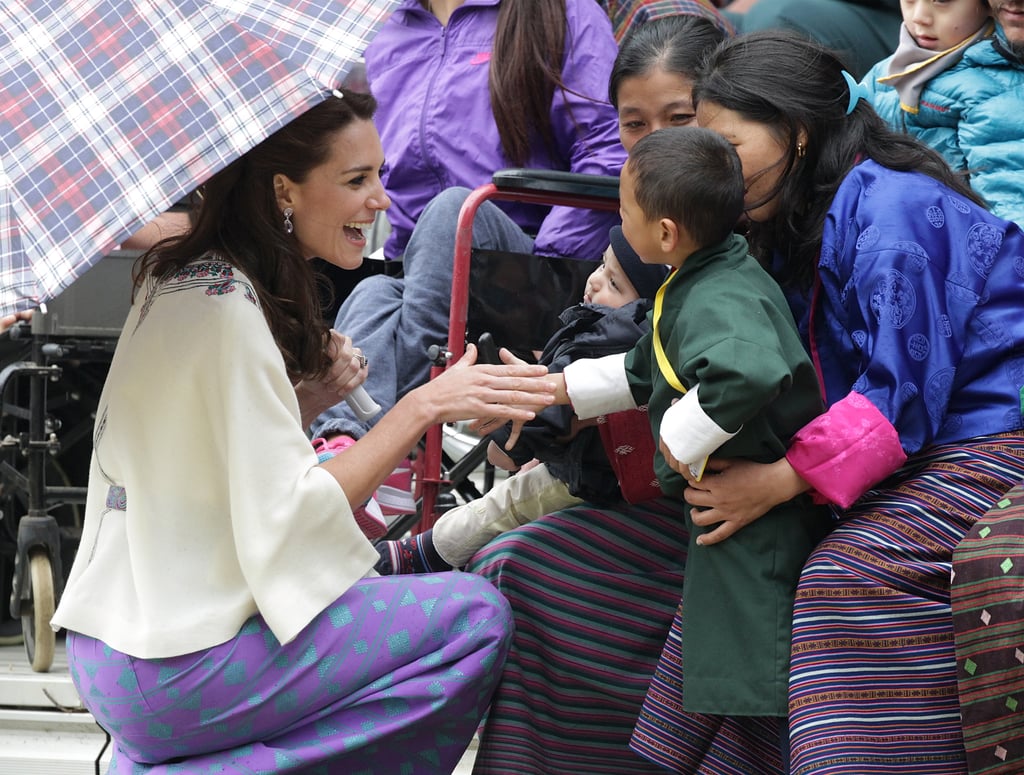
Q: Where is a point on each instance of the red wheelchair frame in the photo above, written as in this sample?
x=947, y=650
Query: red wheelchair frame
x=531, y=186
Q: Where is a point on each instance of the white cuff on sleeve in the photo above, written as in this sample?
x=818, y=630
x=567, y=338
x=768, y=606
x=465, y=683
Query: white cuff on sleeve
x=690, y=434
x=598, y=386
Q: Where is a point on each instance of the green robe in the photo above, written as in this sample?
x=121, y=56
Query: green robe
x=726, y=325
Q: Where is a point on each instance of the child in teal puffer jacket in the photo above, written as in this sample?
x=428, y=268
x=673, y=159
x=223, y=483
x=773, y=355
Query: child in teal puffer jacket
x=949, y=84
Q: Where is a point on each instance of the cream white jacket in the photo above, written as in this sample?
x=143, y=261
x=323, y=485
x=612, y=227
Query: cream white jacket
x=224, y=512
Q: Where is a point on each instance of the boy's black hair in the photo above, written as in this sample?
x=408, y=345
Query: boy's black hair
x=692, y=176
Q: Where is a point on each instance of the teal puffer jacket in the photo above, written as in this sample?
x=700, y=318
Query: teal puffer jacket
x=972, y=114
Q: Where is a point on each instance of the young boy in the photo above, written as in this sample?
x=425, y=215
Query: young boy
x=562, y=464
x=723, y=371
x=948, y=85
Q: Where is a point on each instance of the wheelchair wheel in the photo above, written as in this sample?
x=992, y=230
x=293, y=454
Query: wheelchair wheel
x=37, y=611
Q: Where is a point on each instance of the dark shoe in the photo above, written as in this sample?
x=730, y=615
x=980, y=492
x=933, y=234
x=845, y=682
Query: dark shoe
x=10, y=632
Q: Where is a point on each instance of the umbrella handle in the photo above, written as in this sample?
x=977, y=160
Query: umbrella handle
x=361, y=403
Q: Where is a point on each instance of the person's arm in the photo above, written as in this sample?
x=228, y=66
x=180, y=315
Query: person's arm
x=167, y=224
x=592, y=386
x=738, y=6
x=836, y=456
x=751, y=364
x=987, y=134
x=9, y=320
x=512, y=391
x=733, y=493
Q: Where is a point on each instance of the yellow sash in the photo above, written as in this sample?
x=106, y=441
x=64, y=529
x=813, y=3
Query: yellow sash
x=659, y=352
x=663, y=363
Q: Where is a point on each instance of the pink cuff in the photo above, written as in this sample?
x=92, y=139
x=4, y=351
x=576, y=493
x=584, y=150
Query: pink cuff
x=846, y=450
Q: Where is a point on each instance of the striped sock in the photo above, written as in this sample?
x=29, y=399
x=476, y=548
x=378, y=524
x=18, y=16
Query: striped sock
x=415, y=554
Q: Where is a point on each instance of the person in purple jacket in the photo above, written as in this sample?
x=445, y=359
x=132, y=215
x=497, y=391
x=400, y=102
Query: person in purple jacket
x=468, y=87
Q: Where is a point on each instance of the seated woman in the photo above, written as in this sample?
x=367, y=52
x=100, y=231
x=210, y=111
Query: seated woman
x=907, y=291
x=594, y=590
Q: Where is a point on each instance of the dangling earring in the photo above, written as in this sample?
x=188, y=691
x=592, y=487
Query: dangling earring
x=289, y=227
x=801, y=150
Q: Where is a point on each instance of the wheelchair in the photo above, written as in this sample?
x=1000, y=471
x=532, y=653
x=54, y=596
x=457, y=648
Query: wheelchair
x=482, y=310
x=53, y=369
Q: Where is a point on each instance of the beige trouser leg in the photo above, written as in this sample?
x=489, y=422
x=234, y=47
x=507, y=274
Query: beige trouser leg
x=512, y=502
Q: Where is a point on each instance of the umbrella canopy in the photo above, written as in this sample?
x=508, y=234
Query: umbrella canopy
x=112, y=110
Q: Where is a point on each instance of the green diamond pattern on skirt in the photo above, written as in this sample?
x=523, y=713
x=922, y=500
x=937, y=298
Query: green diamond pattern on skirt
x=988, y=615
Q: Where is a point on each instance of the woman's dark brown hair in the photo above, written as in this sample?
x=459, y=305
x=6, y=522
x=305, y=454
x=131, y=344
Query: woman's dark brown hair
x=526, y=68
x=237, y=218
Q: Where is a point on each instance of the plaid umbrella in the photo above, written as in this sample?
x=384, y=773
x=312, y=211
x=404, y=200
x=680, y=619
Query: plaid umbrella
x=112, y=110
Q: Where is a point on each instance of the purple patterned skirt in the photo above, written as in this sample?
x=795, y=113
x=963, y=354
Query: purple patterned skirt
x=393, y=677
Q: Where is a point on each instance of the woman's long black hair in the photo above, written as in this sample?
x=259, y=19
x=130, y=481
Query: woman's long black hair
x=236, y=217
x=789, y=83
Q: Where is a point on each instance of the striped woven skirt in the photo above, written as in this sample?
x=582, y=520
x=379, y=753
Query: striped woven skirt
x=873, y=683
x=690, y=743
x=392, y=678
x=593, y=593
x=988, y=619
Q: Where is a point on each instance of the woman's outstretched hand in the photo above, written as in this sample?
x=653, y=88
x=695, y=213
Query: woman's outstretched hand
x=514, y=390
x=464, y=391
x=486, y=424
x=733, y=493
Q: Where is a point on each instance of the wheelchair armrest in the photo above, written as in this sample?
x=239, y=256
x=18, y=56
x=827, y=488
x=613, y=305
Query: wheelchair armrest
x=558, y=182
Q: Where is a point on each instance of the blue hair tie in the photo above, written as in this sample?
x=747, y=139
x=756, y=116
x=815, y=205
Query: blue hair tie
x=858, y=91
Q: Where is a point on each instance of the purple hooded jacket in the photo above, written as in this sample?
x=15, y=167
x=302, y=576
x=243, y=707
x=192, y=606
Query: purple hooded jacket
x=438, y=131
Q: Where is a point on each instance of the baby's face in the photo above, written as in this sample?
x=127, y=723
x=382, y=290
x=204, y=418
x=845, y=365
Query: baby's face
x=608, y=284
x=941, y=24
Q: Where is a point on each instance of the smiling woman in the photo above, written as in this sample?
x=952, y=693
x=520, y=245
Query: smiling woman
x=220, y=563
x=337, y=200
